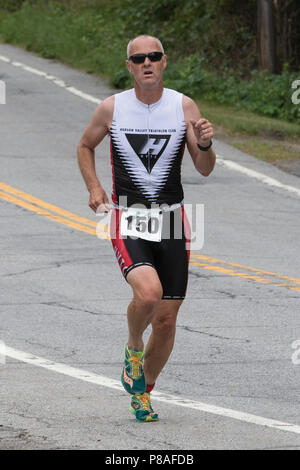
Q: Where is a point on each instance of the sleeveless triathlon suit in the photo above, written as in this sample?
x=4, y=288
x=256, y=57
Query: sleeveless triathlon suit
x=147, y=146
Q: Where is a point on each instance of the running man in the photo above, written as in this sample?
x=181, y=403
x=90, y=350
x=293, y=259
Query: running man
x=149, y=126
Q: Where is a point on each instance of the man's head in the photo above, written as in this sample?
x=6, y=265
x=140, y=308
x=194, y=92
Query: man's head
x=146, y=60
x=144, y=36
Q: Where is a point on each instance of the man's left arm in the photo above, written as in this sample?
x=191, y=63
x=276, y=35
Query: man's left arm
x=199, y=132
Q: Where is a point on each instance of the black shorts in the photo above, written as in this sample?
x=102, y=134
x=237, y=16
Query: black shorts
x=170, y=256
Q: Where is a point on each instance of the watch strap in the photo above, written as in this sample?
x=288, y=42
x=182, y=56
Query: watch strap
x=204, y=149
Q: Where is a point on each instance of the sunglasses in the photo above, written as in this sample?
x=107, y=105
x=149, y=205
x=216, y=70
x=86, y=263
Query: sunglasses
x=140, y=58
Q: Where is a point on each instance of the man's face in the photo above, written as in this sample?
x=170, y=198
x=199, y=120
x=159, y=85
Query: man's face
x=148, y=74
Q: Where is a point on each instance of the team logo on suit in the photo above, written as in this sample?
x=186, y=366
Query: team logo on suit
x=148, y=147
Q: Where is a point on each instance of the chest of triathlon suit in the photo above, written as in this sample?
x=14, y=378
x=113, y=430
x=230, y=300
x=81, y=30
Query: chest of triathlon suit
x=147, y=146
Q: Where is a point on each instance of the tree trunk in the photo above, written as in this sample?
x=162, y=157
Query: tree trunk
x=266, y=35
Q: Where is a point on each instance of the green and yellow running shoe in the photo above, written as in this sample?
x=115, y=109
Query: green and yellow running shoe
x=142, y=409
x=133, y=379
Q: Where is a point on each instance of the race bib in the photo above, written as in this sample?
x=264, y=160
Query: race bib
x=142, y=223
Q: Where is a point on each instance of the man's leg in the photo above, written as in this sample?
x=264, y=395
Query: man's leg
x=148, y=307
x=161, y=341
x=147, y=294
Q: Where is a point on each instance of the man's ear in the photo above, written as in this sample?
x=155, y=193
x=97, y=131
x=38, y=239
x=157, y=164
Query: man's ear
x=164, y=61
x=129, y=66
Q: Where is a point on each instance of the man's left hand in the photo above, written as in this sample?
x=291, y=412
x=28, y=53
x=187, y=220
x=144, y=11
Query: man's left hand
x=203, y=131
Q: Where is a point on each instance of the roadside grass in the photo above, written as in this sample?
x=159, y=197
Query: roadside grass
x=85, y=38
x=265, y=138
x=268, y=151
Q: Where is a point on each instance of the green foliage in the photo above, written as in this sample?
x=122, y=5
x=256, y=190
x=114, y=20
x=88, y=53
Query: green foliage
x=11, y=5
x=209, y=44
x=264, y=93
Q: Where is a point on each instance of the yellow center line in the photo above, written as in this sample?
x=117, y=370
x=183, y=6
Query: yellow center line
x=51, y=207
x=256, y=270
x=295, y=288
x=49, y=215
x=231, y=272
x=57, y=214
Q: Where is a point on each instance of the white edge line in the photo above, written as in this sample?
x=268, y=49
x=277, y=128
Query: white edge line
x=256, y=174
x=91, y=377
x=57, y=81
x=227, y=163
x=4, y=58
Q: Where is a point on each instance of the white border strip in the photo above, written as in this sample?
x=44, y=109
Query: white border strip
x=159, y=396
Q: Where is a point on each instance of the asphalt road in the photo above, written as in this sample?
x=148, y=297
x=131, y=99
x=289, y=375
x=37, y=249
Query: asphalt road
x=63, y=299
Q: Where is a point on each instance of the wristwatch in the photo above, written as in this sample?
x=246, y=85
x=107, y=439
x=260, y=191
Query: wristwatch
x=204, y=149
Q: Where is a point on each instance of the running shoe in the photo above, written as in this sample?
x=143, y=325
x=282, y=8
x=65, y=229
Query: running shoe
x=133, y=379
x=142, y=409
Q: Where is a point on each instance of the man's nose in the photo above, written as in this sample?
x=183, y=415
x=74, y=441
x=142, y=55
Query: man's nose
x=147, y=61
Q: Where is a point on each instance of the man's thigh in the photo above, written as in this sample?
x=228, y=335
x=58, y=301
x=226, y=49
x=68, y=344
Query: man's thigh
x=145, y=283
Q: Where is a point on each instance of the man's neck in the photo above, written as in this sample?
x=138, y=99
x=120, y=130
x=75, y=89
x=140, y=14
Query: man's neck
x=150, y=95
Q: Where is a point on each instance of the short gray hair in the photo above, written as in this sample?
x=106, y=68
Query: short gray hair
x=144, y=36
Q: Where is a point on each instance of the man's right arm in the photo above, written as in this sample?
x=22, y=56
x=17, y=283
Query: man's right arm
x=92, y=136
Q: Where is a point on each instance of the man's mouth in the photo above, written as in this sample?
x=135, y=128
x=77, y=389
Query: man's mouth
x=148, y=72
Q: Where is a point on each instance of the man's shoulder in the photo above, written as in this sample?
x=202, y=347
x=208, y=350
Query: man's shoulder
x=104, y=110
x=177, y=96
x=172, y=92
x=188, y=103
x=110, y=99
x=109, y=102
x=190, y=108
x=124, y=94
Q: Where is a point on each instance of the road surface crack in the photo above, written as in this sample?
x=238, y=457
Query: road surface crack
x=193, y=330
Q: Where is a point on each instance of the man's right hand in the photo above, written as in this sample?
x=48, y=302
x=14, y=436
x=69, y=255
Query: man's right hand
x=99, y=201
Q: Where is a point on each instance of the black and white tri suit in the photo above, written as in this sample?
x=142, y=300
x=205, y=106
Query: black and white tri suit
x=147, y=146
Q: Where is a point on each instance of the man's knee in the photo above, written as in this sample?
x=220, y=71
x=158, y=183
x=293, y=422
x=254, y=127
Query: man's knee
x=164, y=325
x=164, y=322
x=149, y=296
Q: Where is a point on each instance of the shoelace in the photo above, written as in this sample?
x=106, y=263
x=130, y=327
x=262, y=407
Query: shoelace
x=135, y=366
x=145, y=399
